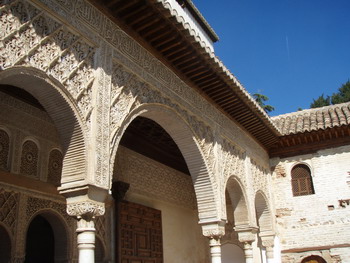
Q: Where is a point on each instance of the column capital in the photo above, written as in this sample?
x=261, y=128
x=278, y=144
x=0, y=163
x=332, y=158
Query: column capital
x=267, y=239
x=214, y=230
x=86, y=209
x=246, y=234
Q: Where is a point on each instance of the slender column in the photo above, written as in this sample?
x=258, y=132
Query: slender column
x=247, y=235
x=85, y=212
x=86, y=240
x=214, y=231
x=268, y=243
x=215, y=250
x=248, y=252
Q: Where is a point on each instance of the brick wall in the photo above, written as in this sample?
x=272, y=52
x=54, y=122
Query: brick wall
x=317, y=222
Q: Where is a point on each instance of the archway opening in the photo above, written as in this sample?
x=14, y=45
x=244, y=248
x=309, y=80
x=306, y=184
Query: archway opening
x=237, y=216
x=160, y=198
x=5, y=245
x=313, y=259
x=40, y=242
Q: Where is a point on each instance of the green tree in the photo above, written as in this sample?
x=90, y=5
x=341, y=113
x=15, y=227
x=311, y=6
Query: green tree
x=261, y=99
x=343, y=94
x=321, y=101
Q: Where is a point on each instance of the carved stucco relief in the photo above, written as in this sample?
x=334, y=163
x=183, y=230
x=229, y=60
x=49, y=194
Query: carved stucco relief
x=128, y=93
x=92, y=23
x=31, y=38
x=153, y=179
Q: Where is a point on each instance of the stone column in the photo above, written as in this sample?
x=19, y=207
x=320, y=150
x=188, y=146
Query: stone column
x=268, y=243
x=247, y=235
x=214, y=231
x=85, y=212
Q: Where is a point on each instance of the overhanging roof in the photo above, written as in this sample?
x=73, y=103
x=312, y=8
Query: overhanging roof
x=156, y=26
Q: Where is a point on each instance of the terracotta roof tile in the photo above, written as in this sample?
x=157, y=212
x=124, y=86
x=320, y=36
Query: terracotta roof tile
x=313, y=119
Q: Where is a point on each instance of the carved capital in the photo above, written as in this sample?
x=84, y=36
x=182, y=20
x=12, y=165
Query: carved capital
x=86, y=209
x=267, y=240
x=214, y=230
x=246, y=234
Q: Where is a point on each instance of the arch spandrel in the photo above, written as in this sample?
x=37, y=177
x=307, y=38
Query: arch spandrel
x=64, y=113
x=186, y=140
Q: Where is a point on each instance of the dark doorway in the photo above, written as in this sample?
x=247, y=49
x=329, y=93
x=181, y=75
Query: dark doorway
x=40, y=244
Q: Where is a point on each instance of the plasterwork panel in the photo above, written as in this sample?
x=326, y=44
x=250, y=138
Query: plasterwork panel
x=260, y=177
x=54, y=169
x=128, y=93
x=32, y=38
x=4, y=150
x=29, y=159
x=9, y=209
x=153, y=179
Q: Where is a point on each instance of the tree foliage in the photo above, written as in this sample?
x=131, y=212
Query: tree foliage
x=343, y=95
x=261, y=99
x=321, y=101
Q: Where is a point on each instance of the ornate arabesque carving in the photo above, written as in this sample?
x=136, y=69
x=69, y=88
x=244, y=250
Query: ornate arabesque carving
x=153, y=179
x=128, y=92
x=4, y=150
x=8, y=208
x=85, y=209
x=29, y=159
x=55, y=167
x=233, y=161
x=32, y=38
x=260, y=176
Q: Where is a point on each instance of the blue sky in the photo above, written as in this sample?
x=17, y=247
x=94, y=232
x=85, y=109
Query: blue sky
x=289, y=50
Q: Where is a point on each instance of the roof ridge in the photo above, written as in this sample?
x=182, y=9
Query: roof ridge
x=311, y=110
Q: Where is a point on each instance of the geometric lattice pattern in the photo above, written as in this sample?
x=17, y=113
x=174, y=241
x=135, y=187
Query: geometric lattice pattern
x=8, y=208
x=29, y=159
x=301, y=180
x=55, y=167
x=4, y=150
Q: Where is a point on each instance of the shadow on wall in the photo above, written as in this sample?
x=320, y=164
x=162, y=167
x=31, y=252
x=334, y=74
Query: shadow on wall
x=231, y=253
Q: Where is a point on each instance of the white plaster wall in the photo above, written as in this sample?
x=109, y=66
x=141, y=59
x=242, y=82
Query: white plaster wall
x=315, y=220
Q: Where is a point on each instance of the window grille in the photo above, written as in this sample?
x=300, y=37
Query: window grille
x=301, y=180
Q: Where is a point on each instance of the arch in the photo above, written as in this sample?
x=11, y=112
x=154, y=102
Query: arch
x=60, y=106
x=301, y=180
x=313, y=259
x=60, y=233
x=231, y=253
x=263, y=213
x=185, y=139
x=238, y=200
x=5, y=244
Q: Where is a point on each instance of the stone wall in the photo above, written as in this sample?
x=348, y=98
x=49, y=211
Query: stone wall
x=318, y=223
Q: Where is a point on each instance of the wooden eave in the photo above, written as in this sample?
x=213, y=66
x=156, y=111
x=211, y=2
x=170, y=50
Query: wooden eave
x=156, y=29
x=311, y=141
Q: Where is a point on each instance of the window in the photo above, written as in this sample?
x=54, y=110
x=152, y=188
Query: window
x=301, y=180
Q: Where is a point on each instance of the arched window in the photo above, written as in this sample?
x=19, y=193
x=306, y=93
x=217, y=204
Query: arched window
x=301, y=180
x=29, y=159
x=4, y=150
x=313, y=259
